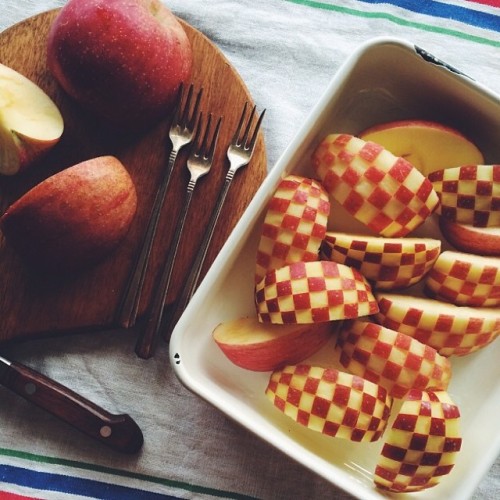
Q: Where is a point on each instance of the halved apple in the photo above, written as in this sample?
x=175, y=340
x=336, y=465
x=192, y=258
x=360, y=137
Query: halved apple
x=313, y=292
x=294, y=225
x=465, y=279
x=383, y=191
x=422, y=444
x=257, y=346
x=330, y=401
x=425, y=144
x=388, y=263
x=450, y=329
x=30, y=122
x=391, y=359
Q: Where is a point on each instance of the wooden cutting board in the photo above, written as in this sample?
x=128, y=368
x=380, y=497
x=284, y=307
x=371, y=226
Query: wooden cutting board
x=32, y=306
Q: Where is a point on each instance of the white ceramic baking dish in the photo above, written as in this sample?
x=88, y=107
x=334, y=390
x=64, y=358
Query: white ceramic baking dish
x=385, y=79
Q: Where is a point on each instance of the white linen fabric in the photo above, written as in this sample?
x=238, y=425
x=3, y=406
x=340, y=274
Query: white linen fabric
x=286, y=52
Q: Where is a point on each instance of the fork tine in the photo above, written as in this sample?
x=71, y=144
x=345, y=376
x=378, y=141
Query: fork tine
x=240, y=124
x=203, y=144
x=215, y=136
x=183, y=119
x=243, y=141
x=253, y=140
x=194, y=115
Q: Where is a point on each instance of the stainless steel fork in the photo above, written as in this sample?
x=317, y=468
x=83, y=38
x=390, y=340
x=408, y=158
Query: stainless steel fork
x=198, y=164
x=239, y=153
x=181, y=133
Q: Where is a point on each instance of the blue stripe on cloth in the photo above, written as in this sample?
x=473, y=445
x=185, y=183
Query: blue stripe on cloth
x=477, y=18
x=44, y=481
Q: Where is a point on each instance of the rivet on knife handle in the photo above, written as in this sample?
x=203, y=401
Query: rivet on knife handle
x=119, y=432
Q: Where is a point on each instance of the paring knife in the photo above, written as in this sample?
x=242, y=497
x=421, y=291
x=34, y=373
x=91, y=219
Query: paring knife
x=119, y=432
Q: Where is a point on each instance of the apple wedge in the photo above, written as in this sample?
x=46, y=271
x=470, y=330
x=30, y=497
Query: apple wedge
x=425, y=144
x=467, y=238
x=422, y=444
x=73, y=218
x=294, y=225
x=465, y=279
x=332, y=402
x=388, y=263
x=383, y=191
x=469, y=194
x=257, y=346
x=313, y=292
x=391, y=359
x=30, y=122
x=450, y=329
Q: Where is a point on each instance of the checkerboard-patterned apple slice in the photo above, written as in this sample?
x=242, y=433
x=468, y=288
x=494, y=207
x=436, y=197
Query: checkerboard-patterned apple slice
x=469, y=194
x=294, y=225
x=330, y=401
x=422, y=444
x=465, y=280
x=450, y=329
x=385, y=192
x=388, y=263
x=313, y=292
x=391, y=359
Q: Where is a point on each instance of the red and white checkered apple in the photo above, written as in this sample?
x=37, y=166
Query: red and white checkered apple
x=383, y=191
x=313, y=292
x=465, y=279
x=469, y=194
x=294, y=225
x=422, y=444
x=388, y=263
x=450, y=329
x=391, y=359
x=330, y=401
x=257, y=346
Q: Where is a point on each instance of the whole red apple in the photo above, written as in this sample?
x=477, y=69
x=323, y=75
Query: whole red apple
x=122, y=59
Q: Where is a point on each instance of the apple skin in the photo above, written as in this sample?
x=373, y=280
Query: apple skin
x=261, y=347
x=73, y=218
x=122, y=59
x=467, y=238
x=30, y=125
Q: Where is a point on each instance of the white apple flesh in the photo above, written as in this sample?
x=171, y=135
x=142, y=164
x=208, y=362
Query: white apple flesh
x=30, y=122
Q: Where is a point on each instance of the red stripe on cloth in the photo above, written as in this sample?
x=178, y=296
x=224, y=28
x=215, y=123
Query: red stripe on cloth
x=12, y=496
x=492, y=3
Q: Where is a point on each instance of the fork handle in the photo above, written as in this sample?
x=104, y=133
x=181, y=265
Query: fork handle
x=146, y=342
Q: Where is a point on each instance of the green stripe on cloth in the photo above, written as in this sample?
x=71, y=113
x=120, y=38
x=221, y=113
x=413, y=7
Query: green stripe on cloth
x=122, y=473
x=397, y=20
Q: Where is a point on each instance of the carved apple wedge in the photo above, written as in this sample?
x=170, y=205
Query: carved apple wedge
x=450, y=329
x=313, y=292
x=257, y=346
x=388, y=263
x=332, y=402
x=422, y=444
x=74, y=217
x=391, y=359
x=383, y=191
x=465, y=280
x=294, y=225
x=30, y=122
x=469, y=194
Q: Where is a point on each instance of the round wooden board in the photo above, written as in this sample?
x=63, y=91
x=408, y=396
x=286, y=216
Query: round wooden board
x=31, y=306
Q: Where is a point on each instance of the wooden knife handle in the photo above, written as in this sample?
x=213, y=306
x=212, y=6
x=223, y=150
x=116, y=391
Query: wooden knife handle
x=119, y=432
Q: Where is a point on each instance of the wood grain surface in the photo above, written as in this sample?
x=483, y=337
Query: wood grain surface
x=32, y=305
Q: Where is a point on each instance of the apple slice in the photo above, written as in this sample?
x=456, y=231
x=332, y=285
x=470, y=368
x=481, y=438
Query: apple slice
x=469, y=194
x=465, y=280
x=476, y=240
x=30, y=122
x=450, y=329
x=258, y=346
x=294, y=225
x=313, y=292
x=425, y=144
x=388, y=263
x=327, y=400
x=74, y=217
x=391, y=359
x=384, y=192
x=422, y=444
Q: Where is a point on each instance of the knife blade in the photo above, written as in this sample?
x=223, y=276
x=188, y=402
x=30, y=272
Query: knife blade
x=119, y=432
